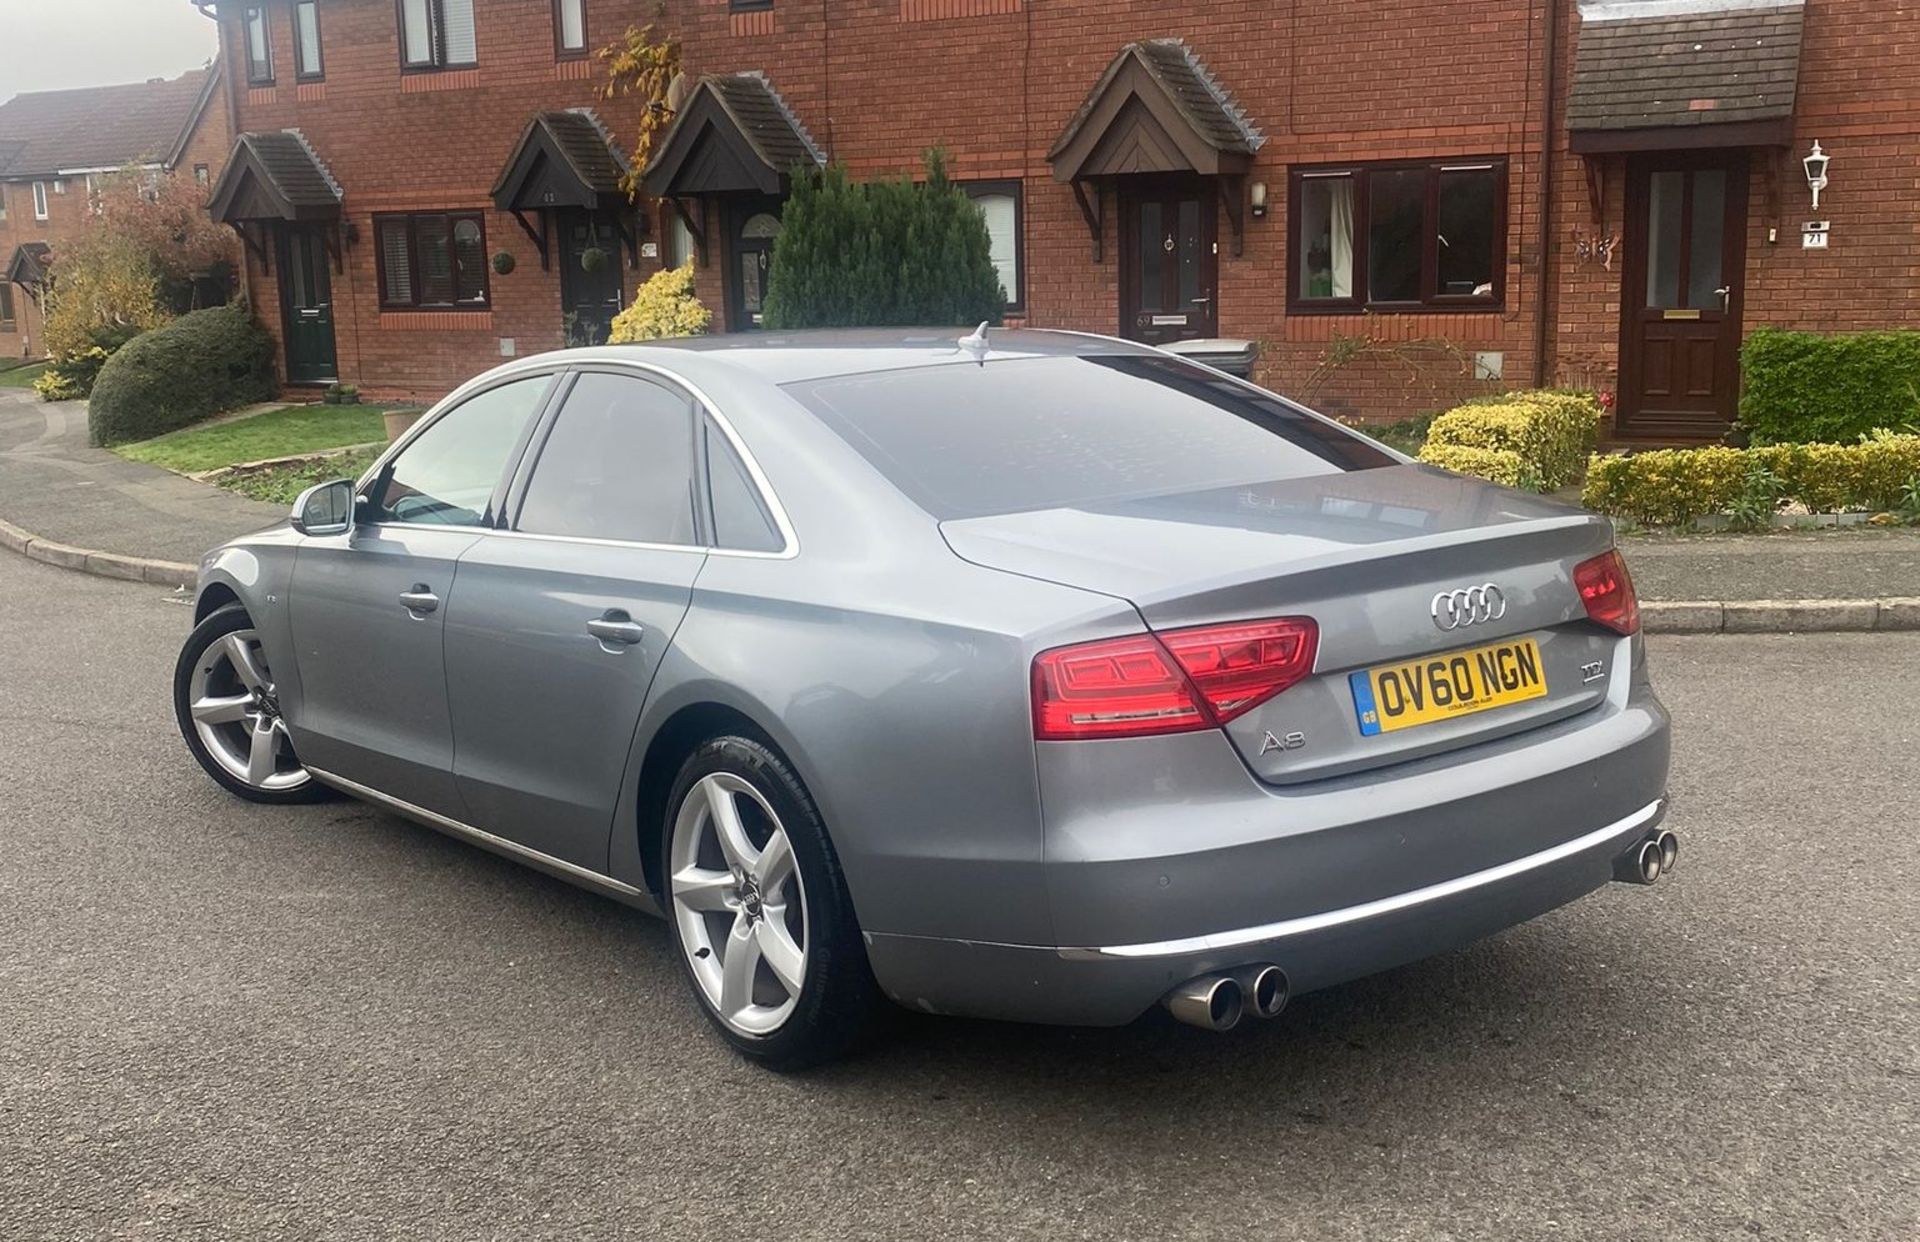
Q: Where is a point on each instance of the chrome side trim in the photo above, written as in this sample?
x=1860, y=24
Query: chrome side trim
x=1310, y=923
x=486, y=840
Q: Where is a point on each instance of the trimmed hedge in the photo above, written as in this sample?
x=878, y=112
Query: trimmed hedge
x=1533, y=440
x=1805, y=387
x=1672, y=487
x=199, y=365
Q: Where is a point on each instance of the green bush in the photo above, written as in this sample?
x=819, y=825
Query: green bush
x=1550, y=435
x=1805, y=387
x=881, y=253
x=1672, y=487
x=73, y=376
x=199, y=365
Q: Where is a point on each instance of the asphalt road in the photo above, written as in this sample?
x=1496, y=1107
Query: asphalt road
x=222, y=1021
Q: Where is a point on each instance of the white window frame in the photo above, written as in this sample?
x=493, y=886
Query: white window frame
x=39, y=200
x=1017, y=191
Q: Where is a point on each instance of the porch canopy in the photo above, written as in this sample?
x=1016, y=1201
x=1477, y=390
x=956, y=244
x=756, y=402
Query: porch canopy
x=275, y=175
x=1685, y=74
x=1156, y=110
x=733, y=135
x=564, y=160
x=27, y=265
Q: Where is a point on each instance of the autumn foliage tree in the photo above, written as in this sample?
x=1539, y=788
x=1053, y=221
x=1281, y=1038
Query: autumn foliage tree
x=138, y=261
x=643, y=63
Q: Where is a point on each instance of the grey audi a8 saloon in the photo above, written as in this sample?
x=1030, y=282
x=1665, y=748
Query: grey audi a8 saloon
x=1029, y=675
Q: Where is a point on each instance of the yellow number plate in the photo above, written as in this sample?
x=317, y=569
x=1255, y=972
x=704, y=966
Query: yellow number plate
x=1440, y=687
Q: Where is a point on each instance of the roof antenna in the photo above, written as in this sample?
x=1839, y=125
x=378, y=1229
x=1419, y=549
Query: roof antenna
x=977, y=343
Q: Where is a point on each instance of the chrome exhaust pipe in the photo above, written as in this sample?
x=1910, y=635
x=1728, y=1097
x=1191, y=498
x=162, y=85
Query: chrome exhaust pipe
x=1214, y=1002
x=1264, y=988
x=1642, y=864
x=1669, y=850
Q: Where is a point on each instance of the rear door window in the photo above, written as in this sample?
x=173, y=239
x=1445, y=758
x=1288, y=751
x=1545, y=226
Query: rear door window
x=1021, y=434
x=618, y=464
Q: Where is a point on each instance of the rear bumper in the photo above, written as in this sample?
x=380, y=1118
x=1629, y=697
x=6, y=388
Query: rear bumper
x=1170, y=861
x=1108, y=985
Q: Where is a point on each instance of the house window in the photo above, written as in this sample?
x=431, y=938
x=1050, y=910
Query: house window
x=308, y=66
x=437, y=34
x=433, y=262
x=1001, y=203
x=202, y=175
x=6, y=307
x=39, y=200
x=1400, y=236
x=569, y=28
x=748, y=6
x=3, y=203
x=259, y=47
x=680, y=248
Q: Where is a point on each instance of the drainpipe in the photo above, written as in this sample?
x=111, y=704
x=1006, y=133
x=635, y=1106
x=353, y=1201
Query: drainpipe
x=1544, y=286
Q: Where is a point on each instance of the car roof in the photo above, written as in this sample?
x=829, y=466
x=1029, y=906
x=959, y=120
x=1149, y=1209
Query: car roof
x=787, y=357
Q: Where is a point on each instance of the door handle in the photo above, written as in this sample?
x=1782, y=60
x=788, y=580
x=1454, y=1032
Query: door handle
x=615, y=629
x=420, y=600
x=1201, y=301
x=1726, y=297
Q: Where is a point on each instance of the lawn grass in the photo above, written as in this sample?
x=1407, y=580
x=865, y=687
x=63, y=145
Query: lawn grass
x=283, y=484
x=275, y=433
x=21, y=377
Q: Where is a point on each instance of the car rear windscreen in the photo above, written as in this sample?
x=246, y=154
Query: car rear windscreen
x=1019, y=434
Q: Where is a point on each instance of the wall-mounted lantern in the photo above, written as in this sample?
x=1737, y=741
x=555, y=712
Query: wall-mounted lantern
x=1257, y=199
x=1816, y=165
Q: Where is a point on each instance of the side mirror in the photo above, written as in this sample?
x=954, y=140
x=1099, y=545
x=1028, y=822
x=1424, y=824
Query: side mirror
x=325, y=508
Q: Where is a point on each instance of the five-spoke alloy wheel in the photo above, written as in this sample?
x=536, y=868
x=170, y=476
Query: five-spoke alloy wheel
x=229, y=712
x=759, y=908
x=740, y=904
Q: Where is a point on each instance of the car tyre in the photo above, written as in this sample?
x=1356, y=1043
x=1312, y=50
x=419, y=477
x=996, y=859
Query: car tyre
x=750, y=871
x=225, y=703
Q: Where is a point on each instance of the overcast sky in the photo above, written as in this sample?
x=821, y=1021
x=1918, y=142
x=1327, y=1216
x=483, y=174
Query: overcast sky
x=53, y=44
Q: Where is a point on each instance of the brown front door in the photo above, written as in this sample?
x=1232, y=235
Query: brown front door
x=1686, y=249
x=1168, y=261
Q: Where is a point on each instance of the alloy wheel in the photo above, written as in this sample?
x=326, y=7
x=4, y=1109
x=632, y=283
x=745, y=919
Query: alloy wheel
x=739, y=903
x=236, y=714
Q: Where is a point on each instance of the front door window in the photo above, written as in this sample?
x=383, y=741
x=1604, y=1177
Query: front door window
x=753, y=256
x=1685, y=247
x=1170, y=263
x=307, y=295
x=591, y=284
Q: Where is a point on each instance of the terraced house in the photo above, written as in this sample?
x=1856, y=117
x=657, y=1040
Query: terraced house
x=1399, y=202
x=54, y=146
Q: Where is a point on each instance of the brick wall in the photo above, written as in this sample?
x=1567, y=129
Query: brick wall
x=994, y=81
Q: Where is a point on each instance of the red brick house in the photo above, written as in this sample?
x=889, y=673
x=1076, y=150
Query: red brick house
x=1402, y=203
x=54, y=144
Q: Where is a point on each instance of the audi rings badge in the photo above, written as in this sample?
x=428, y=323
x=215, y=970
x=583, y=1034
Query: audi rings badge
x=1464, y=606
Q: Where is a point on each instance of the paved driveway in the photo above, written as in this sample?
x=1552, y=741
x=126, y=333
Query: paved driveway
x=220, y=1021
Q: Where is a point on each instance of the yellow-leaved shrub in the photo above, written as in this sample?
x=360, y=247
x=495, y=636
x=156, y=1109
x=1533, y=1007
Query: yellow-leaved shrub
x=1672, y=487
x=1548, y=434
x=664, y=307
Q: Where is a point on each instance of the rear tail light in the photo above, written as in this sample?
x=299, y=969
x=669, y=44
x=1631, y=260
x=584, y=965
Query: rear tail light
x=1173, y=682
x=1607, y=591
